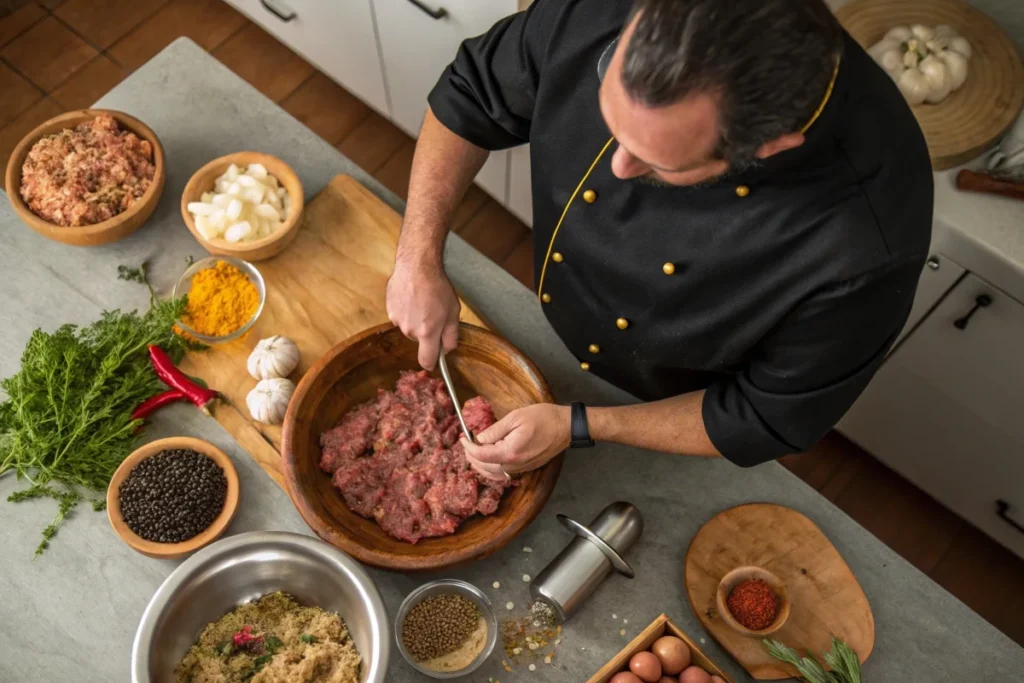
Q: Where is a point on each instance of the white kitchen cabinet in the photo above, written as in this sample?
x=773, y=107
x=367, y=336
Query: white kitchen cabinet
x=939, y=275
x=338, y=37
x=945, y=409
x=418, y=39
x=520, y=189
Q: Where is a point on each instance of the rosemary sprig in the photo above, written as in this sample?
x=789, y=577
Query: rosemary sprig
x=841, y=659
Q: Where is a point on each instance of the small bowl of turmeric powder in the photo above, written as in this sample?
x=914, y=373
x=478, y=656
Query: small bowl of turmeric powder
x=225, y=298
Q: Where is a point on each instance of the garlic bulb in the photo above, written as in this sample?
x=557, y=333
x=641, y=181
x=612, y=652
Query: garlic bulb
x=926, y=63
x=268, y=402
x=273, y=357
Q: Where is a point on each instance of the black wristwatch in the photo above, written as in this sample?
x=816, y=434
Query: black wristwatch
x=579, y=432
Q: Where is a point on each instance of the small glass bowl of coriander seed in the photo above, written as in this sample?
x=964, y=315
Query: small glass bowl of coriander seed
x=446, y=628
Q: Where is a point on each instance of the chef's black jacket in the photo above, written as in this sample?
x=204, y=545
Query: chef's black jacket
x=779, y=290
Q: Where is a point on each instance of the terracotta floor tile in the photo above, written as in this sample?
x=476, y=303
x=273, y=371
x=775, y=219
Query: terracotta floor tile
x=326, y=108
x=103, y=22
x=519, y=263
x=902, y=516
x=494, y=231
x=48, y=53
x=208, y=22
x=13, y=132
x=18, y=94
x=88, y=84
x=987, y=577
x=822, y=462
x=373, y=142
x=265, y=62
x=17, y=22
x=394, y=174
x=471, y=203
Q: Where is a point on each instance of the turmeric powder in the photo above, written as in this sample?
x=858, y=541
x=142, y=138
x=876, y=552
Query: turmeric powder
x=222, y=299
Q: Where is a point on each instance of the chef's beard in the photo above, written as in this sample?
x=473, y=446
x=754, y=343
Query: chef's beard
x=734, y=170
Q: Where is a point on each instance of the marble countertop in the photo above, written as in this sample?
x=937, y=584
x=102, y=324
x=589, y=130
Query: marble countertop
x=71, y=614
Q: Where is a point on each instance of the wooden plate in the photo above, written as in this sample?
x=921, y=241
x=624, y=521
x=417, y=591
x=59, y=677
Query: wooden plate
x=108, y=231
x=169, y=551
x=258, y=250
x=974, y=117
x=351, y=373
x=824, y=596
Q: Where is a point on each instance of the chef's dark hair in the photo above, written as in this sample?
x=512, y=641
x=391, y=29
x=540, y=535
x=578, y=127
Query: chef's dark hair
x=769, y=62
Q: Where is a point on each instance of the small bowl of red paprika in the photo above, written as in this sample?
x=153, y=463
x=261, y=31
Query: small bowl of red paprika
x=752, y=601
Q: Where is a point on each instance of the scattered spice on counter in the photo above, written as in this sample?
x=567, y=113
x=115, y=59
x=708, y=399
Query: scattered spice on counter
x=66, y=422
x=221, y=300
x=753, y=603
x=444, y=632
x=526, y=578
x=173, y=496
x=523, y=639
x=496, y=584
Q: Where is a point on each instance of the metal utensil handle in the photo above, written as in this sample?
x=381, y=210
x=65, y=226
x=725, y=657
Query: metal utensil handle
x=443, y=363
x=278, y=13
x=439, y=13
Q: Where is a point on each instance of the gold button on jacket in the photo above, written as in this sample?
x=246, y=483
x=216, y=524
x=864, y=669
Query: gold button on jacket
x=557, y=257
x=545, y=297
x=590, y=196
x=622, y=323
x=584, y=366
x=668, y=268
x=742, y=190
x=594, y=348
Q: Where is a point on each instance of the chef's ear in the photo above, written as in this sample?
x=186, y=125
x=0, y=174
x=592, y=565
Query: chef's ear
x=780, y=144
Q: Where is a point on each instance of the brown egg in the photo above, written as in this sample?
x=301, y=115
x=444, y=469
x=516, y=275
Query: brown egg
x=717, y=679
x=646, y=666
x=625, y=677
x=694, y=674
x=668, y=679
x=673, y=654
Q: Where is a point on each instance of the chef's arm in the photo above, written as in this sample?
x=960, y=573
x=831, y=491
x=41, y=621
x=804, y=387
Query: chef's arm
x=672, y=425
x=443, y=167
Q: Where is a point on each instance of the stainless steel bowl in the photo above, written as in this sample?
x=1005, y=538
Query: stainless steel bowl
x=240, y=568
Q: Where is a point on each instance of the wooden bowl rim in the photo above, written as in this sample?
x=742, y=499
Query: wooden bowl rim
x=67, y=120
x=193, y=192
x=734, y=576
x=547, y=476
x=208, y=535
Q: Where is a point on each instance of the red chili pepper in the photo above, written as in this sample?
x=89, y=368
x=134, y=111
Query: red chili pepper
x=177, y=379
x=159, y=401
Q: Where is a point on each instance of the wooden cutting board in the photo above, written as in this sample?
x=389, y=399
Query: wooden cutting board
x=325, y=287
x=824, y=595
x=972, y=119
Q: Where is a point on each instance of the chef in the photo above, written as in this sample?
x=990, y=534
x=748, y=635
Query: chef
x=732, y=207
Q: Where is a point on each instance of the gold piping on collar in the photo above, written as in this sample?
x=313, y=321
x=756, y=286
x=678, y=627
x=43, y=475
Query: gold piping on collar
x=825, y=99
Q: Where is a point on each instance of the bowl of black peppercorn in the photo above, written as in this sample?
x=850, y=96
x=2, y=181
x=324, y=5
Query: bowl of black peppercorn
x=173, y=496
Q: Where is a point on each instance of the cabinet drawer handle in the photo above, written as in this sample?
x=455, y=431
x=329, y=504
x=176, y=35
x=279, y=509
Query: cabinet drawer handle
x=439, y=13
x=283, y=16
x=982, y=301
x=1003, y=510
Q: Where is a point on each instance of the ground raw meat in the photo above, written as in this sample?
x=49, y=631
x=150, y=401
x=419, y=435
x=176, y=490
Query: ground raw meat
x=86, y=175
x=397, y=459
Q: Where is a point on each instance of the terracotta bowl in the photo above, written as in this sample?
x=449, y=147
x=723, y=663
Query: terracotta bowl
x=108, y=231
x=258, y=250
x=349, y=374
x=740, y=574
x=169, y=551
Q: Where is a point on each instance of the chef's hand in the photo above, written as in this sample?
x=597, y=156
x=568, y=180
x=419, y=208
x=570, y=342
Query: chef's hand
x=523, y=440
x=422, y=303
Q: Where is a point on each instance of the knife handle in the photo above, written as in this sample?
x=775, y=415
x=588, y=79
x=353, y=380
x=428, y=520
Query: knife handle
x=980, y=182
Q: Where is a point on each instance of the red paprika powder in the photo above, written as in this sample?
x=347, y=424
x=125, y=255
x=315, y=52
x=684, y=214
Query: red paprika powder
x=753, y=603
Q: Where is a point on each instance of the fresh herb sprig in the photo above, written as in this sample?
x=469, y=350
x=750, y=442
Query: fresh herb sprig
x=841, y=659
x=66, y=424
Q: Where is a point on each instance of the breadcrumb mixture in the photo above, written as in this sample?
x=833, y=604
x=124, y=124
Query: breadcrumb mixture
x=86, y=174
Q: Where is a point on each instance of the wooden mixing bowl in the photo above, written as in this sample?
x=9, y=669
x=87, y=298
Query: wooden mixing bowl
x=107, y=231
x=351, y=373
x=257, y=250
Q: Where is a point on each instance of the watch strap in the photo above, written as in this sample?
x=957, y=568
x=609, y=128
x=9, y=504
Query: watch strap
x=579, y=431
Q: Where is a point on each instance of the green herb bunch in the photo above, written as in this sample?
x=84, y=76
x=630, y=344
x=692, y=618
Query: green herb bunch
x=66, y=424
x=841, y=659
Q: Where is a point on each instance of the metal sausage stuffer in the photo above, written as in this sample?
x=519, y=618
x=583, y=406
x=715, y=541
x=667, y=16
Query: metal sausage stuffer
x=581, y=567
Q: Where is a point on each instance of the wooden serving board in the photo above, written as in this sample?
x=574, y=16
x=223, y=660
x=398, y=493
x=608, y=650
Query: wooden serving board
x=825, y=596
x=325, y=287
x=973, y=118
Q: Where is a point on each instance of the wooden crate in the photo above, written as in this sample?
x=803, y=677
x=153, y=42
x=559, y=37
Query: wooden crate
x=657, y=629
